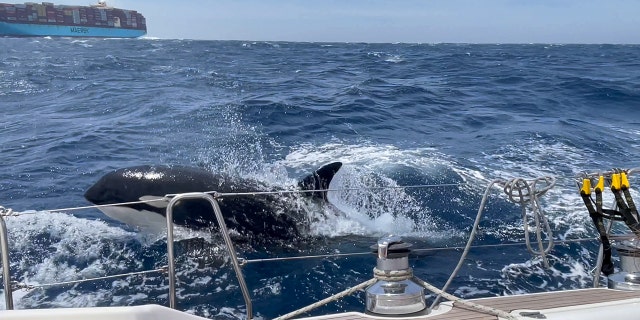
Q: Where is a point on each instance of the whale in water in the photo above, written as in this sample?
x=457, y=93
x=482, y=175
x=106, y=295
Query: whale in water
x=272, y=215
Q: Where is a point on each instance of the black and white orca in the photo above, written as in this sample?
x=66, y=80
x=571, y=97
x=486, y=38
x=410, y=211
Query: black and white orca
x=255, y=216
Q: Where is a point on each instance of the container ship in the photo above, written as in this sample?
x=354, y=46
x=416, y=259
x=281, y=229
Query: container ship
x=46, y=19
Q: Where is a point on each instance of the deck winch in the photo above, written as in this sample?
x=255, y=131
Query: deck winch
x=628, y=278
x=395, y=293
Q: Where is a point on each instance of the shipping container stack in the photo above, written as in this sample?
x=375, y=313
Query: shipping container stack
x=48, y=13
x=7, y=12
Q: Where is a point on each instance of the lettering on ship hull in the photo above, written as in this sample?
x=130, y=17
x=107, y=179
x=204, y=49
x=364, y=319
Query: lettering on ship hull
x=79, y=30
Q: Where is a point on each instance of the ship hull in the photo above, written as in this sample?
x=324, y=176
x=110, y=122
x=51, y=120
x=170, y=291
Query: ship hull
x=39, y=30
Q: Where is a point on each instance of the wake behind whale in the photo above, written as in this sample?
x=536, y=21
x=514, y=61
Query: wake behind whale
x=254, y=217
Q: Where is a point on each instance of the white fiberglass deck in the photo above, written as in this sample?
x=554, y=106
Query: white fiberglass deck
x=583, y=304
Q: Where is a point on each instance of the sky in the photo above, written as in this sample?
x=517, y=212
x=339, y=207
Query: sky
x=391, y=21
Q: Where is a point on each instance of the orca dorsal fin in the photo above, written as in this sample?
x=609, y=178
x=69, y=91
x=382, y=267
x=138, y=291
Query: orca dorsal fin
x=320, y=180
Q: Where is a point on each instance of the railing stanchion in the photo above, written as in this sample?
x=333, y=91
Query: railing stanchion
x=6, y=274
x=227, y=240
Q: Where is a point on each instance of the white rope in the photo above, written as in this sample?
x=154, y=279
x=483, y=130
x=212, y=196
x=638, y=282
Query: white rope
x=322, y=302
x=526, y=192
x=531, y=196
x=472, y=237
x=469, y=304
x=392, y=275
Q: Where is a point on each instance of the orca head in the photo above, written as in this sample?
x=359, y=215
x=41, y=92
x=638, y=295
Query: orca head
x=127, y=185
x=140, y=191
x=319, y=180
x=148, y=183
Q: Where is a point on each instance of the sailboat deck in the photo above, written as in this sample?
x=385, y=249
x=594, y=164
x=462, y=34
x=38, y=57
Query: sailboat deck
x=539, y=301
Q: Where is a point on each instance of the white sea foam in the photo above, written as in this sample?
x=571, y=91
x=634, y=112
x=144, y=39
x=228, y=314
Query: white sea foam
x=61, y=239
x=370, y=202
x=369, y=213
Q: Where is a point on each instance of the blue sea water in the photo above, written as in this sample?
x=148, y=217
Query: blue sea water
x=394, y=114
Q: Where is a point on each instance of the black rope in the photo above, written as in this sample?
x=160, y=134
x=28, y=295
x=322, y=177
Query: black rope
x=597, y=218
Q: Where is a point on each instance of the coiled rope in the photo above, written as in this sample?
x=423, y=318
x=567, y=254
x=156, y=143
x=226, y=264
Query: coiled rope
x=514, y=188
x=526, y=192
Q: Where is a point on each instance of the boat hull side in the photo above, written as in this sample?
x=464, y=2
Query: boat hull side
x=41, y=30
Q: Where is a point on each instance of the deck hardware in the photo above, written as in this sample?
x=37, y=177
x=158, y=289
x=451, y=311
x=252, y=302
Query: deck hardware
x=395, y=293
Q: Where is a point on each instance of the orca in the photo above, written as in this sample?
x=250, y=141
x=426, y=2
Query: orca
x=269, y=215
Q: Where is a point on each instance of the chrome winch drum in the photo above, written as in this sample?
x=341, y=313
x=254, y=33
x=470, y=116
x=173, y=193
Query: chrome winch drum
x=629, y=253
x=394, y=297
x=629, y=277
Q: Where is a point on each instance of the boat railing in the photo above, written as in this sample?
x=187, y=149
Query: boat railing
x=171, y=270
x=513, y=188
x=227, y=239
x=4, y=248
x=211, y=196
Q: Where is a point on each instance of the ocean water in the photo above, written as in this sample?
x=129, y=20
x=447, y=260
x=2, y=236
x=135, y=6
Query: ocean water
x=453, y=116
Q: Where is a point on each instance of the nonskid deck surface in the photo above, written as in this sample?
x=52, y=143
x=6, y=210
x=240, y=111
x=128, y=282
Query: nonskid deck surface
x=539, y=301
